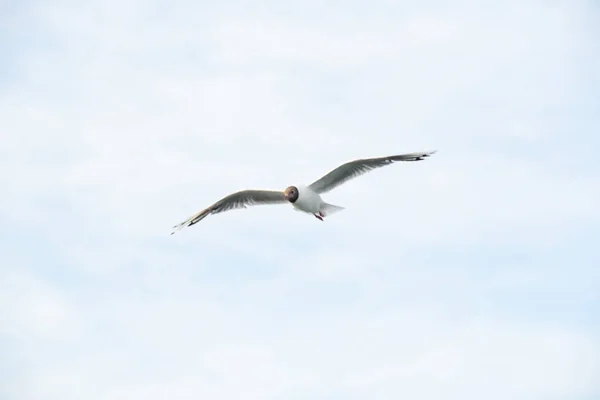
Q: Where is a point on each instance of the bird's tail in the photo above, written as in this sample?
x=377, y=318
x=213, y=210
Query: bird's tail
x=329, y=209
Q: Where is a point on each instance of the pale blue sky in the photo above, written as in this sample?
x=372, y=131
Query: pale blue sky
x=473, y=274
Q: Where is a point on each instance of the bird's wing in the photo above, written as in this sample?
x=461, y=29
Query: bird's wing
x=241, y=199
x=352, y=169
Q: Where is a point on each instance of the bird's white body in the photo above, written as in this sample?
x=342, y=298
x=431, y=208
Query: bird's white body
x=308, y=201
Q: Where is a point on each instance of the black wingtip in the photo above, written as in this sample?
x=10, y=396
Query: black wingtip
x=424, y=156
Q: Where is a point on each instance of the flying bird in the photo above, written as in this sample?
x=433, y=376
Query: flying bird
x=303, y=198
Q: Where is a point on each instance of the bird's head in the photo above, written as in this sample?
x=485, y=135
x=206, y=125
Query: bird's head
x=291, y=194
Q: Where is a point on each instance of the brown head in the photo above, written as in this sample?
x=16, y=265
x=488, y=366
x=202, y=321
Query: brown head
x=291, y=194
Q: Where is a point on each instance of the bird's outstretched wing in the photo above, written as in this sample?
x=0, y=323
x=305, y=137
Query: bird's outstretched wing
x=352, y=169
x=241, y=199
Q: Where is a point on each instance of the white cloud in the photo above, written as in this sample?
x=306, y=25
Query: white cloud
x=183, y=342
x=33, y=308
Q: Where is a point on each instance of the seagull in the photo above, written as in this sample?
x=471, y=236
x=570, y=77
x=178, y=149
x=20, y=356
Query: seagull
x=306, y=199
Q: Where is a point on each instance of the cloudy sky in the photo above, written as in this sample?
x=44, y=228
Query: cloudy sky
x=474, y=274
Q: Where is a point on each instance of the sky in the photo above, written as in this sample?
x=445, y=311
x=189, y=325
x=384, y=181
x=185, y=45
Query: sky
x=473, y=274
